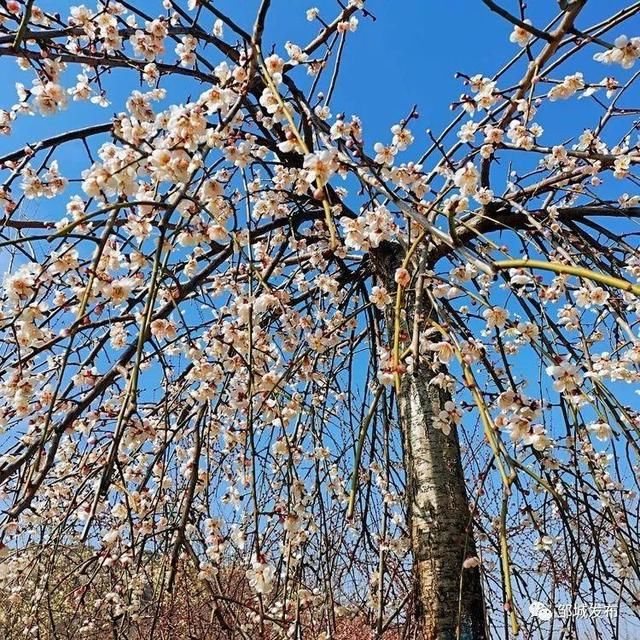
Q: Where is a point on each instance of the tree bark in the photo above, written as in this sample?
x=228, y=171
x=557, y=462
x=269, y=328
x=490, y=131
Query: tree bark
x=448, y=599
x=449, y=603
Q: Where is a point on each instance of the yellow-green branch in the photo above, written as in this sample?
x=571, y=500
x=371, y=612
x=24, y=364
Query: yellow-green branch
x=580, y=272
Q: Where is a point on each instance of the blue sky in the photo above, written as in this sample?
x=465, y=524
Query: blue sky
x=407, y=56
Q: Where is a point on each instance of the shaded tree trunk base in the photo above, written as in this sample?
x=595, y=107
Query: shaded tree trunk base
x=449, y=599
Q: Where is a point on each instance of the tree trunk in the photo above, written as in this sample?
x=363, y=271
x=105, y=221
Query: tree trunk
x=448, y=597
x=449, y=600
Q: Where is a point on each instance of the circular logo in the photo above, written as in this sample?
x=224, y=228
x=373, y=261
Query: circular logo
x=540, y=610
